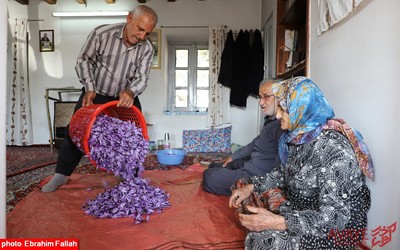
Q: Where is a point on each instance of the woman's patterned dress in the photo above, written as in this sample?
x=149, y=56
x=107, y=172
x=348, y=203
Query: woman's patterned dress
x=326, y=197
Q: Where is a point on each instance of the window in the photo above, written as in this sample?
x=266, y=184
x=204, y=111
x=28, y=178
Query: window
x=188, y=77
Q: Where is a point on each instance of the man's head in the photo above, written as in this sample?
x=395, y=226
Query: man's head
x=139, y=24
x=266, y=98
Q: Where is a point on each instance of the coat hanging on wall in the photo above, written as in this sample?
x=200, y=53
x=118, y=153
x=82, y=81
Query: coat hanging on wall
x=239, y=91
x=242, y=63
x=256, y=62
x=226, y=68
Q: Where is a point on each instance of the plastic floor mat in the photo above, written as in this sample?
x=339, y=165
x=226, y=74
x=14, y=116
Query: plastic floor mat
x=195, y=220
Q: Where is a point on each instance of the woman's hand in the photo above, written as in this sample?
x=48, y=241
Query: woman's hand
x=262, y=219
x=238, y=195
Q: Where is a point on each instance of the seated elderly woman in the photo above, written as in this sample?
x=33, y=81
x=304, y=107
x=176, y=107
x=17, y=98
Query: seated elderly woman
x=321, y=181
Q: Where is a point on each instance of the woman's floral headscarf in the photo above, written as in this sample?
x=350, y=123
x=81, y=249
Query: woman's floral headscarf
x=309, y=114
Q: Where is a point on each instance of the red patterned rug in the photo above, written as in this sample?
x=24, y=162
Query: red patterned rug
x=24, y=159
x=20, y=185
x=28, y=166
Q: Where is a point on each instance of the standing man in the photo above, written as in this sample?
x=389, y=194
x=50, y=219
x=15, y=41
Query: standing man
x=113, y=64
x=256, y=158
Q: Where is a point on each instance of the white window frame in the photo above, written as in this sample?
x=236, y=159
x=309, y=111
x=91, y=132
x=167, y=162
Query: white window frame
x=192, y=78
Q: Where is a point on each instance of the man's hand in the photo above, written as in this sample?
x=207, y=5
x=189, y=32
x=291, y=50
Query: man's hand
x=126, y=98
x=262, y=219
x=88, y=98
x=227, y=160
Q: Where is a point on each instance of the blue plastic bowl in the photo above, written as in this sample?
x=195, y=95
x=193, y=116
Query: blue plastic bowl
x=170, y=156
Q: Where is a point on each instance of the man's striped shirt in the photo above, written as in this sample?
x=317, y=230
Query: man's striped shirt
x=107, y=66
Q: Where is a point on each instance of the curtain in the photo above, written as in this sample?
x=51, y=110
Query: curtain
x=19, y=118
x=218, y=106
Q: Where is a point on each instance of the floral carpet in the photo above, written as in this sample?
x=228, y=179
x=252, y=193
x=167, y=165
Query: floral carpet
x=20, y=185
x=28, y=166
x=23, y=159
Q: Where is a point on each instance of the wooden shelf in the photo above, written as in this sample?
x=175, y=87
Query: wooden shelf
x=298, y=70
x=292, y=15
x=295, y=15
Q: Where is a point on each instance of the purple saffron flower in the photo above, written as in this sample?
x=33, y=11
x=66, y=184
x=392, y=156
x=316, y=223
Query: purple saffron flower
x=135, y=198
x=119, y=147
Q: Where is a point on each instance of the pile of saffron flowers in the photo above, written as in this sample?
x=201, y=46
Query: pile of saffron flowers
x=119, y=147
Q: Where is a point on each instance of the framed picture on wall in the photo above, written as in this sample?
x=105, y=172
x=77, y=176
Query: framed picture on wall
x=46, y=40
x=155, y=38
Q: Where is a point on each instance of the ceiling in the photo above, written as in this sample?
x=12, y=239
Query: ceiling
x=26, y=2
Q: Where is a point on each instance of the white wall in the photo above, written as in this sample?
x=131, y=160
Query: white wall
x=356, y=64
x=56, y=69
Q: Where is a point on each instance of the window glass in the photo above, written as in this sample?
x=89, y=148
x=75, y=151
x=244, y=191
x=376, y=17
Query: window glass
x=202, y=58
x=181, y=78
x=188, y=77
x=182, y=58
x=202, y=78
x=181, y=98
